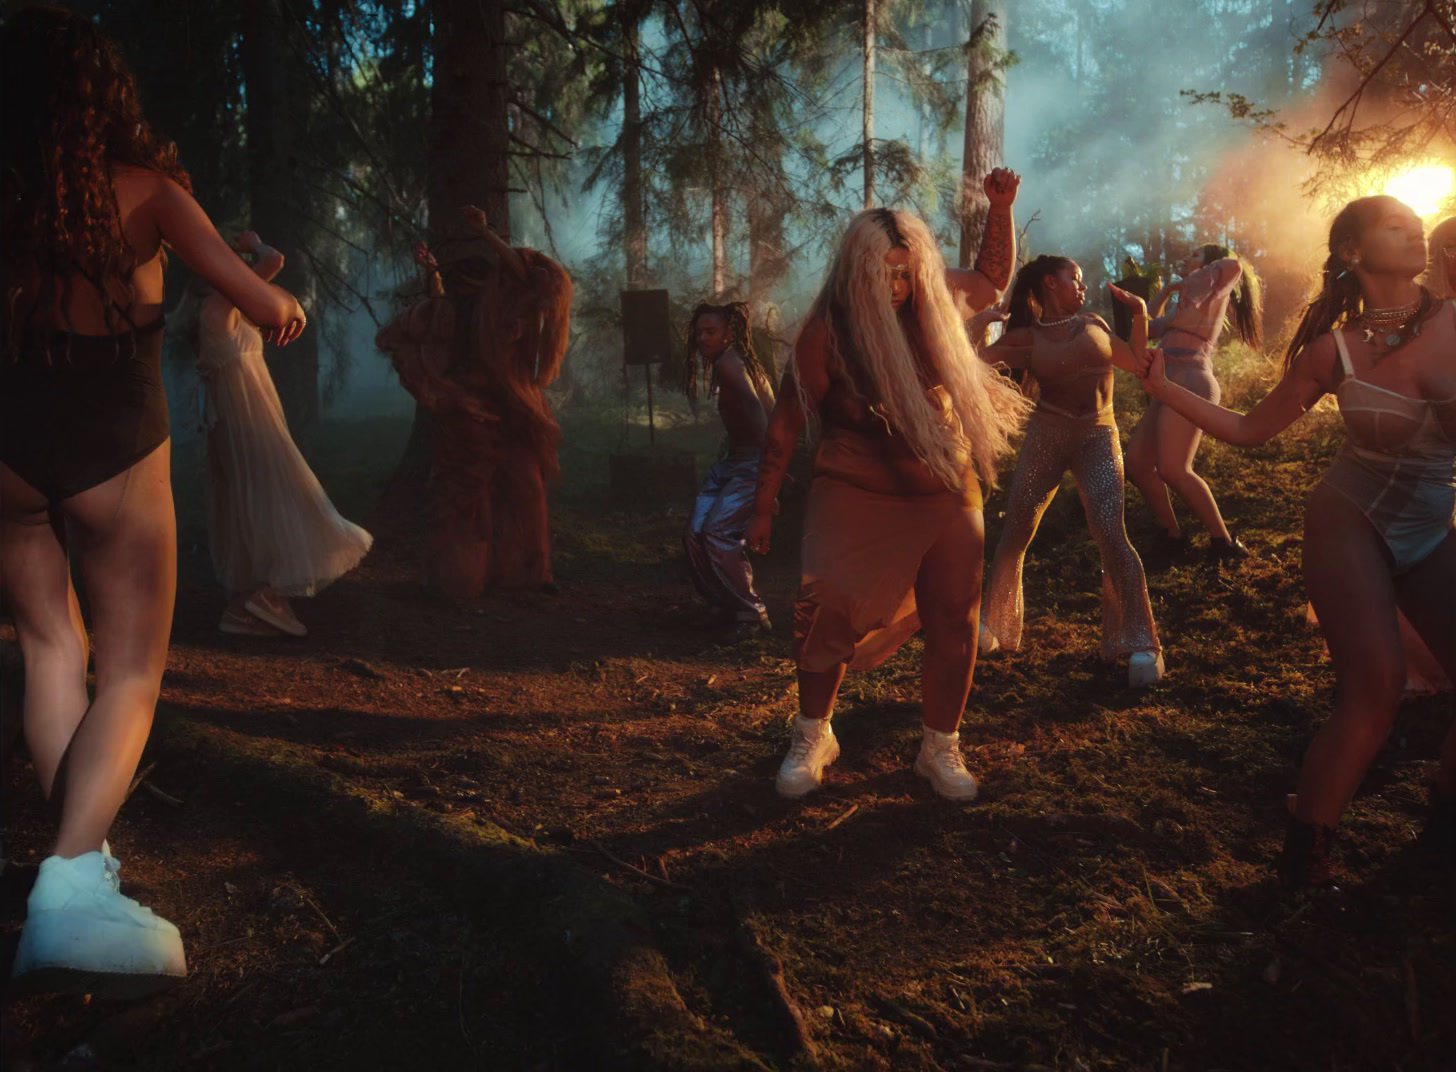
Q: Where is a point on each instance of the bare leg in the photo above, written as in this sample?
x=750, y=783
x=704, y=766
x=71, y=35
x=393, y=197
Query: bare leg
x=1425, y=596
x=35, y=579
x=817, y=690
x=948, y=597
x=1178, y=441
x=1142, y=468
x=1347, y=575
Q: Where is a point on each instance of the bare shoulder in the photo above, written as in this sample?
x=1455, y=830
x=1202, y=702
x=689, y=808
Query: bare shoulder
x=970, y=290
x=1316, y=362
x=1095, y=320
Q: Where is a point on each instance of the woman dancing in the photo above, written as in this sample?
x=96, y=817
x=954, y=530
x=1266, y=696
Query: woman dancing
x=90, y=196
x=1071, y=355
x=721, y=337
x=1216, y=284
x=908, y=416
x=1378, y=532
x=273, y=531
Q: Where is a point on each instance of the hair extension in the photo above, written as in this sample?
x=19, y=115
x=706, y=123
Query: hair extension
x=1339, y=299
x=68, y=113
x=871, y=348
x=1024, y=306
x=736, y=319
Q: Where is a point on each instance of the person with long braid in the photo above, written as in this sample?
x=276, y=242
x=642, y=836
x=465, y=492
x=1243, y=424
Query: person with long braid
x=720, y=348
x=1071, y=355
x=907, y=417
x=1378, y=535
x=1217, y=286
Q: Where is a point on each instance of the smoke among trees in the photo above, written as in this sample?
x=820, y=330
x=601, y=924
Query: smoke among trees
x=717, y=148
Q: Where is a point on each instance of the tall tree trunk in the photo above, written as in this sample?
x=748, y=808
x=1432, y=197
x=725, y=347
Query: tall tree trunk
x=633, y=210
x=985, y=118
x=469, y=164
x=871, y=24
x=275, y=211
x=715, y=172
x=469, y=160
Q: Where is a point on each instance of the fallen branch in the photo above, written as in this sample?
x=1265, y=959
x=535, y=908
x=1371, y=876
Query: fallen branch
x=852, y=809
x=165, y=798
x=649, y=876
x=138, y=780
x=771, y=973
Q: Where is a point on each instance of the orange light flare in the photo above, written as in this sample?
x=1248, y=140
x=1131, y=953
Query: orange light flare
x=1426, y=188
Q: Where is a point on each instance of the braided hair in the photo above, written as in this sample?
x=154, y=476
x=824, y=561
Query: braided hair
x=1340, y=299
x=736, y=318
x=1024, y=306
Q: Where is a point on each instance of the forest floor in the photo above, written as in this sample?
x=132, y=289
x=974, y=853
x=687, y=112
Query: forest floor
x=452, y=835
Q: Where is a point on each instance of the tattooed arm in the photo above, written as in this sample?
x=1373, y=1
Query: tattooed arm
x=811, y=362
x=983, y=285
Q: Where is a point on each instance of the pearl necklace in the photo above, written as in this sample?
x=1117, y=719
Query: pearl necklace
x=1388, y=321
x=1055, y=323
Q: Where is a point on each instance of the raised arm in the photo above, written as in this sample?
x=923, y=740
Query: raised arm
x=810, y=366
x=1158, y=304
x=983, y=285
x=430, y=270
x=1302, y=386
x=183, y=225
x=476, y=221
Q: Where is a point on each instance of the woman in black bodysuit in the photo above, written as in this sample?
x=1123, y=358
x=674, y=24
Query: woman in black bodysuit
x=88, y=197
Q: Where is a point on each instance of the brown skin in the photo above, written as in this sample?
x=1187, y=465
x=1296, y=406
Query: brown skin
x=1064, y=295
x=1162, y=447
x=743, y=410
x=948, y=587
x=1347, y=569
x=124, y=534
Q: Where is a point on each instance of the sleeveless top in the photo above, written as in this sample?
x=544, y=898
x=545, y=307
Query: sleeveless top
x=1397, y=464
x=1062, y=362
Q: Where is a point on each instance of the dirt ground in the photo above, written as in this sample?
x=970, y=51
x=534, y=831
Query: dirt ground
x=539, y=831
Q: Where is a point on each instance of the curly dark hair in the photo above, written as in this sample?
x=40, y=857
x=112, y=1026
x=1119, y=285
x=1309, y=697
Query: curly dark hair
x=740, y=333
x=69, y=112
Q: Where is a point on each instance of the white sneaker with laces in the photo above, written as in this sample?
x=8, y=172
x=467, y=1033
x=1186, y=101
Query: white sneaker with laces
x=82, y=936
x=1144, y=668
x=940, y=760
x=812, y=747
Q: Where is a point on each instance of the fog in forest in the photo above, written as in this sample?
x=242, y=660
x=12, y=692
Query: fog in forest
x=1116, y=160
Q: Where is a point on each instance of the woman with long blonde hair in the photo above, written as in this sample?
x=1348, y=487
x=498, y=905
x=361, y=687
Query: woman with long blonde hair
x=907, y=419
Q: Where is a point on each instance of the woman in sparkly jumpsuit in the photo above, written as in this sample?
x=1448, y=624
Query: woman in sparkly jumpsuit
x=1071, y=356
x=1378, y=535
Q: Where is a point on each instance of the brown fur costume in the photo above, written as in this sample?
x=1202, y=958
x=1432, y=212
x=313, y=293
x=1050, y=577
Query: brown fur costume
x=478, y=358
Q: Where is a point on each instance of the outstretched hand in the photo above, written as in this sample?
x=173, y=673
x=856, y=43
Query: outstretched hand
x=247, y=242
x=425, y=259
x=977, y=326
x=1001, y=186
x=291, y=330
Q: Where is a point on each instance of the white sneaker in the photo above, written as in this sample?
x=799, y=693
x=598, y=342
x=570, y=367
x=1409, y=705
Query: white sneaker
x=940, y=760
x=1144, y=668
x=812, y=748
x=986, y=642
x=82, y=936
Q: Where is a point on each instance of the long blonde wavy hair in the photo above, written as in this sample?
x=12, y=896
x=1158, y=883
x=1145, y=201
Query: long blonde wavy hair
x=868, y=343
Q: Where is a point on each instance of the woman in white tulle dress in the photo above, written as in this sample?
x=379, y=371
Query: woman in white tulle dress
x=274, y=533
